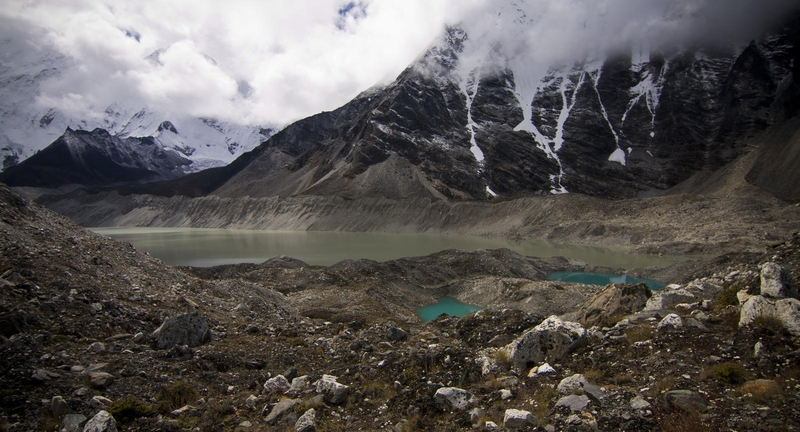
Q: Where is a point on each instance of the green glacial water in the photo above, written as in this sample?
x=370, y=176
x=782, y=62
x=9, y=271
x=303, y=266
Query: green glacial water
x=202, y=247
x=446, y=305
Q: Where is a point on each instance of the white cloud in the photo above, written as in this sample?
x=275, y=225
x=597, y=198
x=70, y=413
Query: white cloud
x=300, y=57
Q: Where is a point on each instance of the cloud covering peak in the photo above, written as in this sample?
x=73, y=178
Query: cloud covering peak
x=273, y=62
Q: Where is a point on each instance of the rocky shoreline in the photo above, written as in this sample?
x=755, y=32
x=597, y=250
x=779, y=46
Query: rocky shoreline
x=96, y=332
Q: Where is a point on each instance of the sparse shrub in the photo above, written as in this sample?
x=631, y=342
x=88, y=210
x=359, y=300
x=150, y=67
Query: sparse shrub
x=664, y=384
x=377, y=390
x=639, y=333
x=175, y=396
x=769, y=322
x=727, y=297
x=543, y=401
x=729, y=372
x=762, y=390
x=593, y=375
x=680, y=421
x=129, y=409
x=503, y=358
x=623, y=378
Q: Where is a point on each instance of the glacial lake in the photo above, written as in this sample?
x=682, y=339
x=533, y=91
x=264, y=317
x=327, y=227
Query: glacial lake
x=445, y=305
x=205, y=247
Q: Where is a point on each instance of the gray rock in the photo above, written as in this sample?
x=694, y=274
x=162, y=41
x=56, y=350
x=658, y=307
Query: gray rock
x=670, y=322
x=490, y=425
x=454, y=397
x=278, y=384
x=514, y=419
x=246, y=424
x=306, y=422
x=138, y=337
x=43, y=375
x=395, y=333
x=72, y=423
x=758, y=350
x=666, y=299
x=573, y=420
x=475, y=414
x=280, y=410
x=639, y=403
x=787, y=311
x=576, y=403
x=551, y=340
x=333, y=391
x=101, y=422
x=506, y=394
x=100, y=380
x=572, y=383
x=298, y=385
x=776, y=282
x=187, y=329
x=594, y=392
x=99, y=402
x=97, y=347
x=251, y=402
x=685, y=400
x=95, y=367
x=58, y=406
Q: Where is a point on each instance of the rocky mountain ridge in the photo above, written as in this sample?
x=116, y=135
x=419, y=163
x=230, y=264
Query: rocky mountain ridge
x=611, y=126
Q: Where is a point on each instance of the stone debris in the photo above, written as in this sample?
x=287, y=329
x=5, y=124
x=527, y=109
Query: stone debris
x=332, y=391
x=101, y=422
x=517, y=419
x=306, y=422
x=549, y=341
x=191, y=330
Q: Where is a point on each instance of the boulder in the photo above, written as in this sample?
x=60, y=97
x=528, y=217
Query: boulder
x=101, y=422
x=576, y=403
x=639, y=403
x=572, y=383
x=58, y=406
x=395, y=333
x=72, y=423
x=99, y=402
x=670, y=322
x=278, y=384
x=298, y=385
x=306, y=422
x=549, y=341
x=280, y=410
x=332, y=391
x=615, y=300
x=187, y=329
x=100, y=380
x=518, y=419
x=786, y=310
x=668, y=298
x=684, y=400
x=776, y=282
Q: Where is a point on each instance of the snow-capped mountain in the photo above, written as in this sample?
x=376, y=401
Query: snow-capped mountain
x=27, y=126
x=459, y=126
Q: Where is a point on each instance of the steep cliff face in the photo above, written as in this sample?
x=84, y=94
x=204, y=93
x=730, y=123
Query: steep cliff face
x=611, y=126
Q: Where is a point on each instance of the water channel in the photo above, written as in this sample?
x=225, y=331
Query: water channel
x=203, y=247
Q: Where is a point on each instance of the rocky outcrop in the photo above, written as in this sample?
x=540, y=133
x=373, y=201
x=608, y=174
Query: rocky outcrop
x=786, y=311
x=455, y=398
x=776, y=282
x=549, y=341
x=332, y=391
x=188, y=329
x=101, y=422
x=615, y=301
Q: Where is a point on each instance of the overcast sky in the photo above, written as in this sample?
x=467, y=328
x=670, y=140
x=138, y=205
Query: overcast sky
x=278, y=61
